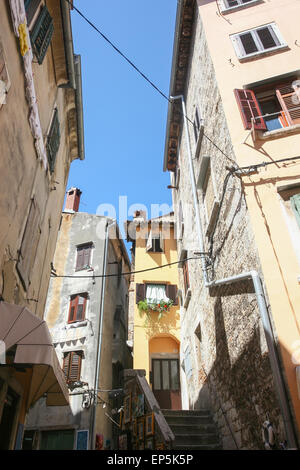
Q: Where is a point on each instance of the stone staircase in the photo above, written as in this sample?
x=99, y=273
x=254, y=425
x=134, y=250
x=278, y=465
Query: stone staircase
x=193, y=429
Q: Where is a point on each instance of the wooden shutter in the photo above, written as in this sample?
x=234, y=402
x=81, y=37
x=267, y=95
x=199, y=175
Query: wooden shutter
x=31, y=7
x=66, y=363
x=295, y=203
x=171, y=293
x=83, y=257
x=249, y=109
x=77, y=308
x=29, y=244
x=72, y=309
x=86, y=255
x=53, y=141
x=41, y=34
x=140, y=292
x=149, y=245
x=79, y=261
x=289, y=100
x=75, y=366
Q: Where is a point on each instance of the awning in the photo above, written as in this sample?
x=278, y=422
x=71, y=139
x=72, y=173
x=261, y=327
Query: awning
x=34, y=348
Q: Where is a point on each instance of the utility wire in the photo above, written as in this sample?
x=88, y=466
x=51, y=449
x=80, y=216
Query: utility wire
x=143, y=75
x=125, y=274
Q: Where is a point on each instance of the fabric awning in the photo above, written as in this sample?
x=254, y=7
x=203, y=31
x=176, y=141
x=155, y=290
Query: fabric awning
x=34, y=347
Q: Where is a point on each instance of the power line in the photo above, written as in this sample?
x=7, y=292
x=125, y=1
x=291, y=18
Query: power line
x=125, y=274
x=143, y=75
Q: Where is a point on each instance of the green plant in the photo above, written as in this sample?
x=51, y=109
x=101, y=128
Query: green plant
x=161, y=306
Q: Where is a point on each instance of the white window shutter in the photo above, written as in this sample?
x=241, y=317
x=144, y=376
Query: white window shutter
x=239, y=50
x=149, y=242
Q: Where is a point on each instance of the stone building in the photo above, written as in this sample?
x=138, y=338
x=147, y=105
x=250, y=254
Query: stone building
x=230, y=123
x=87, y=315
x=41, y=133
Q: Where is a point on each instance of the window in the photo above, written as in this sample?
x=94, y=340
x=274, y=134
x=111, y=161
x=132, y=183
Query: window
x=53, y=141
x=156, y=292
x=256, y=41
x=29, y=244
x=41, y=33
x=196, y=125
x=155, y=241
x=270, y=107
x=77, y=307
x=72, y=365
x=235, y=4
x=290, y=203
x=83, y=256
x=4, y=77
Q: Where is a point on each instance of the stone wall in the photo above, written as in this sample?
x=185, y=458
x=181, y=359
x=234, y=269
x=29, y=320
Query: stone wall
x=228, y=369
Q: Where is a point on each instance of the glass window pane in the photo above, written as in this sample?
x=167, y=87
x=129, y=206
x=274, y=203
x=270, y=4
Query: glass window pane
x=165, y=374
x=174, y=375
x=156, y=375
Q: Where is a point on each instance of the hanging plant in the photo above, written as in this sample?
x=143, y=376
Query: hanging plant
x=161, y=306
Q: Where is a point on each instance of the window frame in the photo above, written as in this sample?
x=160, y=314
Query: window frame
x=83, y=246
x=75, y=298
x=227, y=9
x=240, y=50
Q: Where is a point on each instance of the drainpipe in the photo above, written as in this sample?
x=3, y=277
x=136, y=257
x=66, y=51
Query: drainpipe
x=260, y=296
x=100, y=331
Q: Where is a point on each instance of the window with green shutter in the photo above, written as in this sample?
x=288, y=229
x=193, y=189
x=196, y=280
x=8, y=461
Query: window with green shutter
x=41, y=34
x=295, y=203
x=53, y=141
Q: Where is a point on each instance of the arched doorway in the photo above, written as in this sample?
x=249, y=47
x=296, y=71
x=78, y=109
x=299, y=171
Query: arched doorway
x=165, y=371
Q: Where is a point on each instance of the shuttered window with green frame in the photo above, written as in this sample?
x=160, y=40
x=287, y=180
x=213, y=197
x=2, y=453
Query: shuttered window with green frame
x=295, y=203
x=41, y=34
x=53, y=141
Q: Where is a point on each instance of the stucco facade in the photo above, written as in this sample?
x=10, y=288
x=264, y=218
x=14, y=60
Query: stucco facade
x=100, y=336
x=41, y=133
x=224, y=352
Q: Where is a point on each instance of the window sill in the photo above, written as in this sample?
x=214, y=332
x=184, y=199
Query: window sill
x=283, y=132
x=226, y=11
x=84, y=268
x=76, y=324
x=258, y=55
x=187, y=299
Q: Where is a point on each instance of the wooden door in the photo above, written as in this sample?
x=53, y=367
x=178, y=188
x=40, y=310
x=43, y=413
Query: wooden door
x=166, y=383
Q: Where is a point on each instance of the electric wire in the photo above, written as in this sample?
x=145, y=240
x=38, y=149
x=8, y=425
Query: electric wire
x=143, y=75
x=123, y=274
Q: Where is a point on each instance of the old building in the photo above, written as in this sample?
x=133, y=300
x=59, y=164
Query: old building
x=154, y=306
x=87, y=316
x=41, y=133
x=232, y=147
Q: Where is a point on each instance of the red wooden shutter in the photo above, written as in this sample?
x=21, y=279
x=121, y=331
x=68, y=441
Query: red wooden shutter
x=171, y=292
x=72, y=310
x=81, y=304
x=249, y=109
x=75, y=366
x=66, y=363
x=290, y=103
x=140, y=292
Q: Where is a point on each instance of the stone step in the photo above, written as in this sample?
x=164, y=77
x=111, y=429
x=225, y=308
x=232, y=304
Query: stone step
x=192, y=420
x=192, y=447
x=187, y=428
x=196, y=439
x=186, y=412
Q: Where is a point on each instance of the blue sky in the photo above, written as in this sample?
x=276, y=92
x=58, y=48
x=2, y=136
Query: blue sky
x=124, y=117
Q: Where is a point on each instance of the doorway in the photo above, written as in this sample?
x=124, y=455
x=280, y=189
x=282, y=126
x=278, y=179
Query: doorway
x=166, y=383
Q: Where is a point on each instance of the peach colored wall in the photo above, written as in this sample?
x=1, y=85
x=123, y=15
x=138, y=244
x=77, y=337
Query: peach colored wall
x=277, y=252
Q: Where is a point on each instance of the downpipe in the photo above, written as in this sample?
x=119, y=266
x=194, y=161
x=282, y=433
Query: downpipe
x=260, y=296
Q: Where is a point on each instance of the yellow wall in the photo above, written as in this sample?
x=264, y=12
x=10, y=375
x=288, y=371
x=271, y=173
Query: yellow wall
x=277, y=253
x=168, y=327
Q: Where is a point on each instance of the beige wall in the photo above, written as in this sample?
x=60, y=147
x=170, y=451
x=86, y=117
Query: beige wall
x=277, y=250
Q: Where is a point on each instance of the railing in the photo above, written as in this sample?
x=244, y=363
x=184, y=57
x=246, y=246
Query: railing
x=133, y=376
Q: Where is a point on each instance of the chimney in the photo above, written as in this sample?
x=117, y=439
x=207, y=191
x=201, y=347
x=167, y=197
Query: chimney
x=73, y=200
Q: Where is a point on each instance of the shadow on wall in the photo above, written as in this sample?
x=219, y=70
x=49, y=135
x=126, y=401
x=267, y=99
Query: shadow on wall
x=241, y=382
